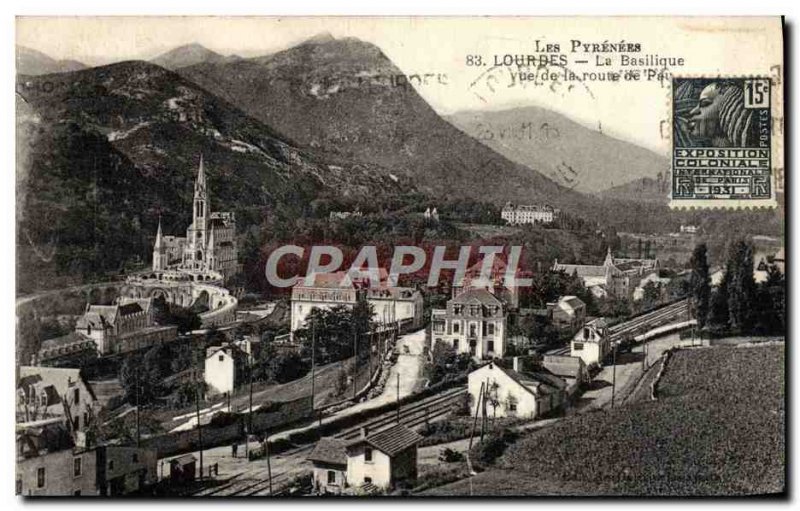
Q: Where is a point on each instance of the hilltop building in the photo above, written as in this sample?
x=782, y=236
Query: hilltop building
x=617, y=276
x=431, y=214
x=529, y=214
x=210, y=242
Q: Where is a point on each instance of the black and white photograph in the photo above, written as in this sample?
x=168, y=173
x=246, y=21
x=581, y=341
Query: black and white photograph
x=398, y=257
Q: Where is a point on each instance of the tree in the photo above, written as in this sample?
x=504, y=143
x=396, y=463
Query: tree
x=700, y=283
x=771, y=303
x=741, y=287
x=287, y=367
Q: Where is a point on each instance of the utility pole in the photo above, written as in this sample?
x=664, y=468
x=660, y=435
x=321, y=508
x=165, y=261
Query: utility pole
x=398, y=397
x=199, y=427
x=483, y=408
x=614, y=376
x=249, y=424
x=475, y=420
x=269, y=464
x=313, y=362
x=138, y=423
x=355, y=362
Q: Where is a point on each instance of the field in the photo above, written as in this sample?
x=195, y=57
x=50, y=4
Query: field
x=717, y=429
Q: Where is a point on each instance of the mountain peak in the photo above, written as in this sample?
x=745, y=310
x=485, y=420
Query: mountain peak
x=34, y=62
x=321, y=38
x=187, y=55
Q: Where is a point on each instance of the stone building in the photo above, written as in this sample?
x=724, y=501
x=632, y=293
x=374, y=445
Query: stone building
x=127, y=325
x=617, y=276
x=210, y=242
x=474, y=322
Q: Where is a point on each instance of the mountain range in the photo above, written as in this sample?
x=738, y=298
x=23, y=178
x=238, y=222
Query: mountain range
x=33, y=62
x=105, y=152
x=339, y=95
x=577, y=157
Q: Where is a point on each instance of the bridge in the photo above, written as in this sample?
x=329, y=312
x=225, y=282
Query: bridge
x=186, y=288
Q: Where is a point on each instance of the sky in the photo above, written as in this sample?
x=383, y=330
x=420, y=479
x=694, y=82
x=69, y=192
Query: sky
x=634, y=111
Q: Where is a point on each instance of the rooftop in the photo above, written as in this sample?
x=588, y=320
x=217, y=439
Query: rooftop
x=329, y=450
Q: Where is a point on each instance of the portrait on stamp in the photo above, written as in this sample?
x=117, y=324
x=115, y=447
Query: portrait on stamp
x=721, y=143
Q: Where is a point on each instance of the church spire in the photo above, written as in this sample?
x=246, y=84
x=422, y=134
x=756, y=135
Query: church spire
x=157, y=245
x=200, y=184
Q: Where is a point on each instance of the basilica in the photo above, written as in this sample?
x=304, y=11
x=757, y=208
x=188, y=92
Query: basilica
x=210, y=242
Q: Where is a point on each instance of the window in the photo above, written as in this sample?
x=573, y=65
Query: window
x=222, y=358
x=490, y=328
x=77, y=493
x=76, y=467
x=135, y=457
x=456, y=327
x=578, y=346
x=76, y=396
x=585, y=333
x=368, y=454
x=77, y=422
x=512, y=407
x=455, y=344
x=367, y=479
x=331, y=477
x=111, y=464
x=19, y=487
x=490, y=346
x=40, y=477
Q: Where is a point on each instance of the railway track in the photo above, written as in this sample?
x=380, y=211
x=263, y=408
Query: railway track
x=255, y=482
x=648, y=320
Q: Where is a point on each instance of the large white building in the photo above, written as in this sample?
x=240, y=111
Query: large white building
x=210, y=242
x=328, y=290
x=528, y=214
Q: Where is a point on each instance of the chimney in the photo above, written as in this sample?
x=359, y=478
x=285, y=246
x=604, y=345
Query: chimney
x=364, y=431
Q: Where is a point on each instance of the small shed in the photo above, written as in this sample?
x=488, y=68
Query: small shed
x=183, y=469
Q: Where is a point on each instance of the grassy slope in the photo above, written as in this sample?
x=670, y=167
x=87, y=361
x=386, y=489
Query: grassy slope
x=717, y=429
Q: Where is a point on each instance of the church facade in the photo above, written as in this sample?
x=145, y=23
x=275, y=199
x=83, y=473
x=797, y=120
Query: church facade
x=210, y=242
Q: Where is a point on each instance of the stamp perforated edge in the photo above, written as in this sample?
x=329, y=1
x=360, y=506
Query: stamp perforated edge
x=775, y=77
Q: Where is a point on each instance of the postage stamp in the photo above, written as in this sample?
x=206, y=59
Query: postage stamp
x=722, y=151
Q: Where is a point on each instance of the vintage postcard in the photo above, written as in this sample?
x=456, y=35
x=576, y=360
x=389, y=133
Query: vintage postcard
x=396, y=257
